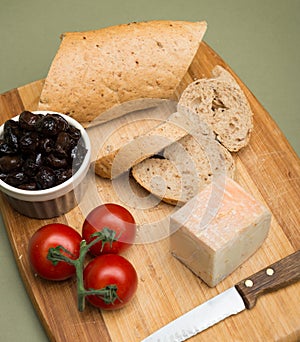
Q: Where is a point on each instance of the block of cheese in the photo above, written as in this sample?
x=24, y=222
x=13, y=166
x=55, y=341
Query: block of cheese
x=218, y=230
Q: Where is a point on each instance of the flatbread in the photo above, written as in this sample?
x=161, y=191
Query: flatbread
x=95, y=71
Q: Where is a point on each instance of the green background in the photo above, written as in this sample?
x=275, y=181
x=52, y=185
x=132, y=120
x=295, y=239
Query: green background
x=259, y=39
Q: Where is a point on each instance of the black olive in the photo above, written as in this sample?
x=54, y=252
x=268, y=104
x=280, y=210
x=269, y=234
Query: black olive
x=29, y=142
x=47, y=145
x=56, y=162
x=47, y=126
x=16, y=178
x=63, y=144
x=11, y=133
x=45, y=178
x=10, y=163
x=74, y=133
x=5, y=148
x=31, y=166
x=28, y=120
x=52, y=124
x=62, y=175
x=62, y=123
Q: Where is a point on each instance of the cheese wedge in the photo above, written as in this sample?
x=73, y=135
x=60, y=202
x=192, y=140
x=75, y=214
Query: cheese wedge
x=218, y=230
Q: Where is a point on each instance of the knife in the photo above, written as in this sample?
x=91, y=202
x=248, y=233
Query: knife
x=232, y=301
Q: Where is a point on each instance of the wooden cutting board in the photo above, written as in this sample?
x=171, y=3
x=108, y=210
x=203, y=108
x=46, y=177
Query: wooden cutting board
x=268, y=168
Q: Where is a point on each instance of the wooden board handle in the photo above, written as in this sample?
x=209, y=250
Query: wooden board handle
x=274, y=277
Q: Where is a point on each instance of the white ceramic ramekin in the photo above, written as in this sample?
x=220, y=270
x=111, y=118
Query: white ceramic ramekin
x=54, y=201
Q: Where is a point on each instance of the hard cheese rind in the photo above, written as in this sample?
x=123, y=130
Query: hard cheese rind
x=218, y=230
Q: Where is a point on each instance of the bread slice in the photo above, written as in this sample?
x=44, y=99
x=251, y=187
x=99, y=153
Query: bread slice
x=190, y=164
x=120, y=160
x=159, y=177
x=94, y=71
x=223, y=105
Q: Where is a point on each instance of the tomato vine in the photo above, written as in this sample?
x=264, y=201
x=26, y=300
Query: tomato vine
x=109, y=293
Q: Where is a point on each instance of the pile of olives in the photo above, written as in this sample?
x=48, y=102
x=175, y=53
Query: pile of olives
x=39, y=151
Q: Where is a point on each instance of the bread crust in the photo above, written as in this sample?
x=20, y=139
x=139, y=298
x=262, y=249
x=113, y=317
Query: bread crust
x=94, y=71
x=120, y=160
x=224, y=107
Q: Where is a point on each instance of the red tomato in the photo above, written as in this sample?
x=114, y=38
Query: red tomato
x=114, y=217
x=110, y=269
x=50, y=236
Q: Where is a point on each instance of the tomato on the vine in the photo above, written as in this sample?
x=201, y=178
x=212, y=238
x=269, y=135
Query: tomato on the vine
x=51, y=236
x=106, y=270
x=116, y=218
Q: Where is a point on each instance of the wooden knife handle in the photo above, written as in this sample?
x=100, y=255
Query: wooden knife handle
x=274, y=277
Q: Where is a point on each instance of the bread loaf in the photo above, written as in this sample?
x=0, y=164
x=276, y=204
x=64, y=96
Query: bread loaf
x=223, y=106
x=94, y=71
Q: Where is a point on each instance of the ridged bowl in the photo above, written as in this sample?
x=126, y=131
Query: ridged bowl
x=55, y=201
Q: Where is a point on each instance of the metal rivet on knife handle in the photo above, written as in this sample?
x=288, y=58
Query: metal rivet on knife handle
x=248, y=283
x=269, y=271
x=274, y=277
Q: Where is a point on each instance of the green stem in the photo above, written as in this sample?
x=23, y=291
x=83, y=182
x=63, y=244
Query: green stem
x=109, y=293
x=79, y=275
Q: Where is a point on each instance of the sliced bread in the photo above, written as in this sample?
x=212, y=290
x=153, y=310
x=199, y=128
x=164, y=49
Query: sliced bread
x=94, y=71
x=159, y=177
x=120, y=160
x=223, y=105
x=190, y=164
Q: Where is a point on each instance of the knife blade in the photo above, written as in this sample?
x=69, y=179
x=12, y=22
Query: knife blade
x=232, y=301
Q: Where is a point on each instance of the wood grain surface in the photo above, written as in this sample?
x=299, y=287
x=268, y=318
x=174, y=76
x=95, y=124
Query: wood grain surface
x=268, y=168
